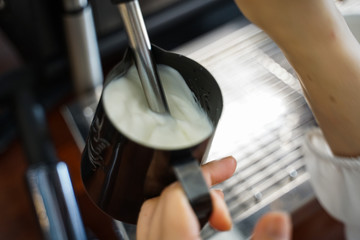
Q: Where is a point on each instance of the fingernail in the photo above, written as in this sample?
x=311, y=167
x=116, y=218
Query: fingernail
x=220, y=193
x=220, y=218
x=227, y=219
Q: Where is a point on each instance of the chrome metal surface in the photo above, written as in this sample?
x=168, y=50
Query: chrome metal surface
x=74, y=5
x=140, y=44
x=79, y=115
x=83, y=49
x=54, y=200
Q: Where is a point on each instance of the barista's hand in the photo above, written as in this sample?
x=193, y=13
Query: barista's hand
x=170, y=216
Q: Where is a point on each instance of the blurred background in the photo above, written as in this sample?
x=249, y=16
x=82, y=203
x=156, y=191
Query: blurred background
x=48, y=48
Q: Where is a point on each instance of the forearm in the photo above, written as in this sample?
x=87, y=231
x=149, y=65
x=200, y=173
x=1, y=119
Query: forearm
x=328, y=65
x=330, y=76
x=316, y=41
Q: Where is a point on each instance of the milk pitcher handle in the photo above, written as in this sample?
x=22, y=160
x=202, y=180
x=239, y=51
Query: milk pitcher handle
x=190, y=176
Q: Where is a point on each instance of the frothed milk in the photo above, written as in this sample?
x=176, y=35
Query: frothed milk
x=127, y=108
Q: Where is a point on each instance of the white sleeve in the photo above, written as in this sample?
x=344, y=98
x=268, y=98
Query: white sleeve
x=336, y=181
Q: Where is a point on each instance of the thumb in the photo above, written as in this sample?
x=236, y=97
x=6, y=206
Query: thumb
x=273, y=226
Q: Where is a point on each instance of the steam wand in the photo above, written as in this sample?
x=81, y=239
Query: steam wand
x=140, y=44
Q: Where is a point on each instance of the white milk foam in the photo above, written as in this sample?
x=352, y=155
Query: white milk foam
x=127, y=109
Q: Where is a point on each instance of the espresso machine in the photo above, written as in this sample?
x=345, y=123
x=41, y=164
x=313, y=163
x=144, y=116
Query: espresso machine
x=58, y=54
x=68, y=40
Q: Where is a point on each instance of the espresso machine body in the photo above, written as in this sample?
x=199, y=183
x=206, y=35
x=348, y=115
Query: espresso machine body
x=42, y=35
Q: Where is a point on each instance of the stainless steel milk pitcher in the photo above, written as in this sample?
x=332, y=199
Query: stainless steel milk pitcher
x=120, y=174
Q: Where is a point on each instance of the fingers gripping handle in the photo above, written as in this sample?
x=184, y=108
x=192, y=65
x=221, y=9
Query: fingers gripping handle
x=192, y=181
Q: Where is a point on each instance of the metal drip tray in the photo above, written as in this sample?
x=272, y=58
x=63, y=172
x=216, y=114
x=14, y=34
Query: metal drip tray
x=265, y=117
x=264, y=120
